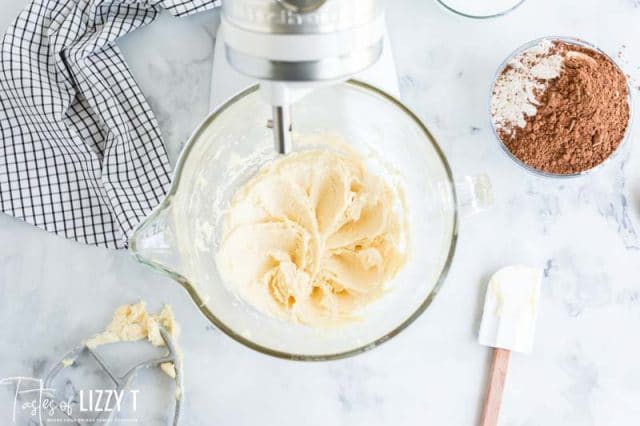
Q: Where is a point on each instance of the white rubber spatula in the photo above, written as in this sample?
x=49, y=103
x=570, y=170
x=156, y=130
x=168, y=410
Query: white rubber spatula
x=508, y=324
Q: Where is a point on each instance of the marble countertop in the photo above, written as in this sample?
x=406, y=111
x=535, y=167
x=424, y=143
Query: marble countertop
x=584, y=232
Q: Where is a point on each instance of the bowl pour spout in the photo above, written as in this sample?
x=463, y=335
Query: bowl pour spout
x=154, y=242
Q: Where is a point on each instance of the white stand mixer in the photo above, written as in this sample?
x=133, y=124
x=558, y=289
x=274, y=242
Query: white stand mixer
x=293, y=46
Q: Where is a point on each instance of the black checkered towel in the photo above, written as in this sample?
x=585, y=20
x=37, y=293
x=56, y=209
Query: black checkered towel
x=80, y=150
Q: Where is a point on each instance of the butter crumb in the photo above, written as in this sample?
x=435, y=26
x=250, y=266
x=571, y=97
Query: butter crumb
x=169, y=369
x=133, y=322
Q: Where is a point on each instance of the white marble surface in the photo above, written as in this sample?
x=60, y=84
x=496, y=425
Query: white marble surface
x=584, y=232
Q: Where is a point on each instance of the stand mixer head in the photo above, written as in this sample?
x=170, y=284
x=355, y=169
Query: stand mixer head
x=294, y=46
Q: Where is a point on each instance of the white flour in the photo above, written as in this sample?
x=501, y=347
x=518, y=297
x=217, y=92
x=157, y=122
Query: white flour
x=515, y=93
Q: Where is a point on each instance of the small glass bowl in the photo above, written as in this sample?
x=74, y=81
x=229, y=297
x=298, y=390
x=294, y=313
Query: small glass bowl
x=577, y=42
x=451, y=8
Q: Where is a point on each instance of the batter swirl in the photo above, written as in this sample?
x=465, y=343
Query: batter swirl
x=313, y=237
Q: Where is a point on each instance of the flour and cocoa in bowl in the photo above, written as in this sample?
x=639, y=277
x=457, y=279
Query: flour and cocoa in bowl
x=560, y=107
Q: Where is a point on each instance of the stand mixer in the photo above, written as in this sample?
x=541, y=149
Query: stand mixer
x=301, y=53
x=293, y=46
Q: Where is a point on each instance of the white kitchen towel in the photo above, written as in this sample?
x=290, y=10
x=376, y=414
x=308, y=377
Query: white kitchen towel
x=80, y=150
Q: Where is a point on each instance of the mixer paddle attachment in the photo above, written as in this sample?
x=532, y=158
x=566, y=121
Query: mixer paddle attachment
x=281, y=125
x=121, y=382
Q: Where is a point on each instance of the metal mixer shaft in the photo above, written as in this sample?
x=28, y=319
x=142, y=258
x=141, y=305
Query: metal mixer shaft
x=281, y=125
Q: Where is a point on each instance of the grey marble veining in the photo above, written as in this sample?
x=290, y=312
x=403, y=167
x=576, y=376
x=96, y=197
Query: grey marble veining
x=584, y=232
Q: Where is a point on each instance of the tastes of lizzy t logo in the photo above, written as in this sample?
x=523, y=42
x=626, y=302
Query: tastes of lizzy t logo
x=32, y=399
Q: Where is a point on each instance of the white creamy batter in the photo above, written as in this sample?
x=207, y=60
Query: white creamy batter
x=313, y=237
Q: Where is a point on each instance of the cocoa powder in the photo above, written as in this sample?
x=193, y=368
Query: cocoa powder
x=581, y=116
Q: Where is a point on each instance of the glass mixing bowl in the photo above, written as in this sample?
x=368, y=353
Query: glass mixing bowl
x=181, y=236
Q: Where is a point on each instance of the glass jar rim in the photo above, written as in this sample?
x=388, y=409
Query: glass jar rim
x=450, y=8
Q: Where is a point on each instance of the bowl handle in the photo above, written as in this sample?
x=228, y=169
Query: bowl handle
x=474, y=194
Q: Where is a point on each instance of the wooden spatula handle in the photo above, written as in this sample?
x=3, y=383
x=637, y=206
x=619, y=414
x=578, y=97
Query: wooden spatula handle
x=495, y=388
